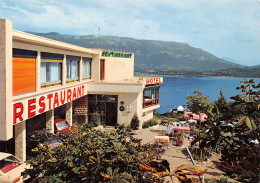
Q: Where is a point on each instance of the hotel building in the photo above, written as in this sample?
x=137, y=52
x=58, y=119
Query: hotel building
x=43, y=79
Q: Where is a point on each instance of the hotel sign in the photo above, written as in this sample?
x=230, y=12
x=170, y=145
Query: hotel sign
x=150, y=81
x=116, y=54
x=33, y=106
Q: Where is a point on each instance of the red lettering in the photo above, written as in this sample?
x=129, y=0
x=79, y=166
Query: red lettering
x=74, y=94
x=83, y=90
x=31, y=107
x=151, y=81
x=157, y=80
x=147, y=81
x=19, y=114
x=68, y=95
x=56, y=100
x=62, y=99
x=49, y=97
x=79, y=91
x=42, y=104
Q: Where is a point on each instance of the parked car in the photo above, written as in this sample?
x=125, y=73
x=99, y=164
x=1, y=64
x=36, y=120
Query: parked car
x=11, y=168
x=41, y=138
x=53, y=142
x=62, y=126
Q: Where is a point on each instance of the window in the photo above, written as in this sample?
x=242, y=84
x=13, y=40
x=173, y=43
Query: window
x=150, y=96
x=9, y=163
x=72, y=68
x=24, y=71
x=86, y=67
x=102, y=69
x=51, y=71
x=62, y=125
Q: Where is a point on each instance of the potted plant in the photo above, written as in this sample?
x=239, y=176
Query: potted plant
x=180, y=138
x=95, y=121
x=134, y=124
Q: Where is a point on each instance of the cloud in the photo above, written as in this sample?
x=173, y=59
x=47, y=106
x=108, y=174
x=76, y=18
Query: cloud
x=226, y=28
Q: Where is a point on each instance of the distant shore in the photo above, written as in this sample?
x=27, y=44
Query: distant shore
x=165, y=75
x=198, y=74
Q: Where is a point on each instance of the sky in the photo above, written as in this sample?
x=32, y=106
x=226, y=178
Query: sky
x=226, y=28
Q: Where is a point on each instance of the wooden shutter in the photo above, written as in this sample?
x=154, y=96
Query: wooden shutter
x=102, y=69
x=24, y=75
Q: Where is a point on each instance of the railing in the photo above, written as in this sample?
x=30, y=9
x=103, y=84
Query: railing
x=149, y=103
x=45, y=85
x=72, y=80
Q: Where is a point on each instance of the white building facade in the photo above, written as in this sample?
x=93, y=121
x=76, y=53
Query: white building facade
x=43, y=79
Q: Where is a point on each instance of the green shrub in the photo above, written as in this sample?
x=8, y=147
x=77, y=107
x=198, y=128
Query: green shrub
x=88, y=155
x=95, y=119
x=149, y=123
x=135, y=122
x=237, y=152
x=172, y=116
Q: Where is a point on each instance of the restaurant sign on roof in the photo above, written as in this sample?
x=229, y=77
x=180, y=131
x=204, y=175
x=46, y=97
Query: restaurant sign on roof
x=116, y=54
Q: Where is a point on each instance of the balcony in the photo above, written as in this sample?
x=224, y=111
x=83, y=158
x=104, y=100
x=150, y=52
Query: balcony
x=150, y=102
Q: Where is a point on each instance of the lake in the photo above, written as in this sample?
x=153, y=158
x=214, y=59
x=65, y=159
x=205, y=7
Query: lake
x=174, y=89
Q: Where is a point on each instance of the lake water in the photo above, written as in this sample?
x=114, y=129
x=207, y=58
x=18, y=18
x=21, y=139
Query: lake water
x=174, y=89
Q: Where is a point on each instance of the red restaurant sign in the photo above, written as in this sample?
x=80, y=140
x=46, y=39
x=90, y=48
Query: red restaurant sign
x=40, y=104
x=150, y=81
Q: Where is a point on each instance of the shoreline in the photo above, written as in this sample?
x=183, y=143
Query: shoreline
x=166, y=75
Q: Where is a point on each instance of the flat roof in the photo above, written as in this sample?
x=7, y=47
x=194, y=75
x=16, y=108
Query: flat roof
x=20, y=36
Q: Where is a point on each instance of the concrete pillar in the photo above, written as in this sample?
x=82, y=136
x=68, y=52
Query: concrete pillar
x=139, y=111
x=20, y=140
x=95, y=68
x=80, y=69
x=38, y=71
x=6, y=80
x=68, y=111
x=50, y=120
x=64, y=71
x=86, y=115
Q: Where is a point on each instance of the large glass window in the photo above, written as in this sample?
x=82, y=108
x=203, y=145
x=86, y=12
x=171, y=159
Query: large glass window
x=86, y=67
x=72, y=68
x=150, y=96
x=51, y=71
x=9, y=163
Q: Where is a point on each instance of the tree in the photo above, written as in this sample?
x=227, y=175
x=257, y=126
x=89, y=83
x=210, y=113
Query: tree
x=238, y=132
x=199, y=103
x=249, y=103
x=134, y=124
x=222, y=109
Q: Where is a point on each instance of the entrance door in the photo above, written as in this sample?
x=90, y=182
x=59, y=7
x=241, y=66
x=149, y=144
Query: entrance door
x=111, y=114
x=106, y=106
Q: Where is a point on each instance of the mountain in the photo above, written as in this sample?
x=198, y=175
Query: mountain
x=150, y=54
x=256, y=66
